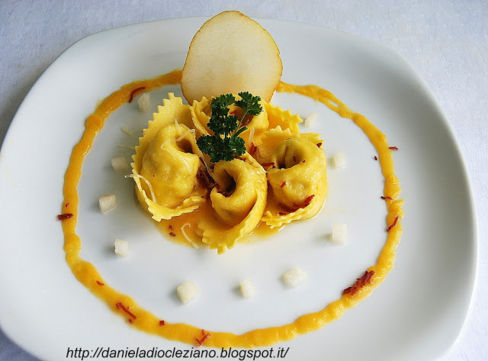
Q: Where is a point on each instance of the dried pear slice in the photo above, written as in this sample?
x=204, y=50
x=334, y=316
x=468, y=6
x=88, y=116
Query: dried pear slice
x=231, y=53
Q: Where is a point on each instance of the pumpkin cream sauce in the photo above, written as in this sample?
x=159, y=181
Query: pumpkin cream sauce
x=146, y=321
x=184, y=229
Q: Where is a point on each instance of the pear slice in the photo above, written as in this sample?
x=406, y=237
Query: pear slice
x=229, y=54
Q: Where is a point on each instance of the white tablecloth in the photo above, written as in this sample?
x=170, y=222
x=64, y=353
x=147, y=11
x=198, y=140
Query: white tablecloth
x=445, y=41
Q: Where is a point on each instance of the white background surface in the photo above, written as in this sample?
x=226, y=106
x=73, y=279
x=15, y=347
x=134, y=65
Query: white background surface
x=445, y=41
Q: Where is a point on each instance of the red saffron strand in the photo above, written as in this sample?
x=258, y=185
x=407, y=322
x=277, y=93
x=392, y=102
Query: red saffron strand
x=100, y=283
x=66, y=205
x=308, y=200
x=360, y=282
x=392, y=225
x=133, y=93
x=204, y=337
x=367, y=279
x=385, y=198
x=375, y=158
x=296, y=207
x=252, y=149
x=319, y=144
x=172, y=234
x=393, y=148
x=204, y=178
x=119, y=305
x=64, y=216
x=161, y=323
x=283, y=184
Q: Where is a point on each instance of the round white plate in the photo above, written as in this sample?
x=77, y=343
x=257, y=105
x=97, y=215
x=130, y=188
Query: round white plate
x=416, y=314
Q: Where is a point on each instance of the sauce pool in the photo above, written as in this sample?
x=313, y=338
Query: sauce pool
x=146, y=321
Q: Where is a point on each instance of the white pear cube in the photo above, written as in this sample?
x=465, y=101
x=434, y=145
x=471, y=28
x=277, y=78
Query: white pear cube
x=121, y=248
x=107, y=203
x=144, y=103
x=187, y=291
x=311, y=120
x=339, y=160
x=339, y=233
x=119, y=164
x=294, y=277
x=247, y=289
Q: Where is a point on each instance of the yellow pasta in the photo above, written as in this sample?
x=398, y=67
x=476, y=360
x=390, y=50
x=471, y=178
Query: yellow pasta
x=166, y=164
x=296, y=176
x=280, y=180
x=278, y=117
x=238, y=201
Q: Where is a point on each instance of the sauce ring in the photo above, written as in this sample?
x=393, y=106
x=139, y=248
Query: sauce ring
x=144, y=320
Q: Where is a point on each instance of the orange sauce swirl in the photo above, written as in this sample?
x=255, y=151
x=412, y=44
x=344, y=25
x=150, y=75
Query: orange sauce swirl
x=146, y=321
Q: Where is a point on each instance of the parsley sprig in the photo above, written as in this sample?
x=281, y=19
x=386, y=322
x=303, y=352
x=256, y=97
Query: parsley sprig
x=226, y=143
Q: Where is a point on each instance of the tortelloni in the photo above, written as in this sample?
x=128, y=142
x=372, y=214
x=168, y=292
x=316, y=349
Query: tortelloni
x=238, y=201
x=296, y=176
x=166, y=164
x=281, y=178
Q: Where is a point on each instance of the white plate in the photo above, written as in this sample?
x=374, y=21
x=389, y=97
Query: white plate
x=416, y=314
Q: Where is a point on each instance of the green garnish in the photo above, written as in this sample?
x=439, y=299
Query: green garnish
x=225, y=143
